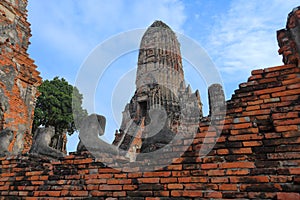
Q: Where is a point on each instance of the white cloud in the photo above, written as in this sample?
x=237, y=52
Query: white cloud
x=244, y=37
x=74, y=27
x=65, y=32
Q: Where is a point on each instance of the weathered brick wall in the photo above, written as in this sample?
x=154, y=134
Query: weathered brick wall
x=289, y=38
x=256, y=157
x=18, y=75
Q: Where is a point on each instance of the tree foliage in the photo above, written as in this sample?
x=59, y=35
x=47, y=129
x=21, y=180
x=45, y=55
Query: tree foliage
x=54, y=106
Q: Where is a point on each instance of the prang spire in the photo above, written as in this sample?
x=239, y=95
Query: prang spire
x=160, y=56
x=153, y=116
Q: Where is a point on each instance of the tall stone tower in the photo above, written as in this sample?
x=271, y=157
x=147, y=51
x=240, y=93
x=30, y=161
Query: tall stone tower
x=18, y=75
x=153, y=115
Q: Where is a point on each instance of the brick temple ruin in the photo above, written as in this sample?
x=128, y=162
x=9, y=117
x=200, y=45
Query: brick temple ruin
x=159, y=85
x=18, y=75
x=256, y=157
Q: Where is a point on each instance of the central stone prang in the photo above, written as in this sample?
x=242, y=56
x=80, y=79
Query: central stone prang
x=153, y=116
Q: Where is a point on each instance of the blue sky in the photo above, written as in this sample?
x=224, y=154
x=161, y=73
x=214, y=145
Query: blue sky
x=238, y=35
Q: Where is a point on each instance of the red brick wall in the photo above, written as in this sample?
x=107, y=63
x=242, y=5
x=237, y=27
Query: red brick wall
x=256, y=157
x=19, y=78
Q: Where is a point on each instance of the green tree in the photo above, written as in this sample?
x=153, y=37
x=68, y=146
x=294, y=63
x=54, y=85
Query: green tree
x=56, y=106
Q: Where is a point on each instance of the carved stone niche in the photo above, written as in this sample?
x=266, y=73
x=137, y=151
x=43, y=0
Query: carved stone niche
x=41, y=143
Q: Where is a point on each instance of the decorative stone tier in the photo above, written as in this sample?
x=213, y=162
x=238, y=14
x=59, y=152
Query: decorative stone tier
x=160, y=56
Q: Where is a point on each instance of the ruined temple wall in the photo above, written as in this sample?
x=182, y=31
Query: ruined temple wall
x=289, y=38
x=256, y=156
x=18, y=75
